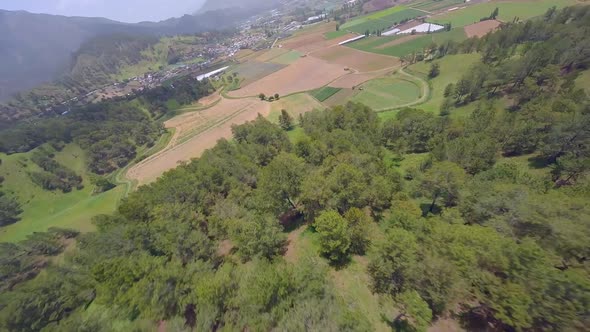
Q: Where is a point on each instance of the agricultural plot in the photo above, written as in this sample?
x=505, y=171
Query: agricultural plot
x=196, y=132
x=335, y=34
x=387, y=92
x=324, y=93
x=381, y=20
x=352, y=58
x=45, y=209
x=305, y=74
x=410, y=45
x=271, y=54
x=481, y=29
x=252, y=71
x=340, y=98
x=287, y=58
x=432, y=5
x=508, y=10
x=295, y=104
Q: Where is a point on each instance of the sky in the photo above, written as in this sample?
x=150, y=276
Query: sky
x=120, y=10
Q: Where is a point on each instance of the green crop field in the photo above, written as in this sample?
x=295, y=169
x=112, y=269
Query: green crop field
x=287, y=58
x=432, y=5
x=374, y=45
x=381, y=20
x=45, y=209
x=508, y=10
x=387, y=92
x=335, y=34
x=324, y=93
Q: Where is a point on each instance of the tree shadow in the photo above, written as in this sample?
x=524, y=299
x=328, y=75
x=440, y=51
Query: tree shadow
x=537, y=162
x=425, y=207
x=397, y=325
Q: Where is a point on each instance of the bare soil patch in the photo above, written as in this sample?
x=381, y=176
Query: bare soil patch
x=305, y=74
x=340, y=98
x=355, y=59
x=398, y=41
x=196, y=132
x=481, y=29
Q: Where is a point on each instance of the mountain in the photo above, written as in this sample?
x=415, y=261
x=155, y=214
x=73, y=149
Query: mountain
x=211, y=5
x=39, y=48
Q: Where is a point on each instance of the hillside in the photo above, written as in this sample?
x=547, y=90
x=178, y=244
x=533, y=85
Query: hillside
x=212, y=5
x=39, y=48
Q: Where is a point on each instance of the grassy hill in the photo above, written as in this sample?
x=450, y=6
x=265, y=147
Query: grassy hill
x=44, y=209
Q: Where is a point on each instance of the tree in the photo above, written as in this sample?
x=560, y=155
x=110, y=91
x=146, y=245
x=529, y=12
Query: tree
x=462, y=89
x=280, y=183
x=494, y=14
x=277, y=96
x=449, y=90
x=415, y=312
x=434, y=70
x=390, y=264
x=258, y=236
x=358, y=224
x=262, y=96
x=334, y=236
x=286, y=120
x=10, y=209
x=443, y=181
x=337, y=27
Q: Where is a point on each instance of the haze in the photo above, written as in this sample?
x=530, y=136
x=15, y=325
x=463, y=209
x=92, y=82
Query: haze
x=121, y=10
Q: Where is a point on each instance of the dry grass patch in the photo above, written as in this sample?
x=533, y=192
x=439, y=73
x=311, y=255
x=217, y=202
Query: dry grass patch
x=481, y=29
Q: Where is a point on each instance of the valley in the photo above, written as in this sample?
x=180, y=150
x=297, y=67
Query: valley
x=326, y=165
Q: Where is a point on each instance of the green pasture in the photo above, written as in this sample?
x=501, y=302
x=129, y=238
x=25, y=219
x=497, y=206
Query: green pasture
x=287, y=58
x=44, y=209
x=387, y=92
x=374, y=23
x=335, y=34
x=508, y=10
x=432, y=5
x=374, y=45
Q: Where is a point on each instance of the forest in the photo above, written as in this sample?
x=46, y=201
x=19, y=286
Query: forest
x=467, y=232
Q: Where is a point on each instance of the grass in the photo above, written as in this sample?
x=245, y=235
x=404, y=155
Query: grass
x=335, y=34
x=374, y=45
x=295, y=104
x=452, y=68
x=322, y=94
x=381, y=20
x=44, y=209
x=388, y=92
x=508, y=10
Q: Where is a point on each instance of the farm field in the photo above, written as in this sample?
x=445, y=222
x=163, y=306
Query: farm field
x=481, y=29
x=352, y=58
x=271, y=54
x=431, y=5
x=287, y=58
x=45, y=209
x=335, y=34
x=388, y=92
x=295, y=104
x=324, y=93
x=252, y=71
x=508, y=10
x=340, y=98
x=305, y=74
x=409, y=46
x=196, y=132
x=381, y=20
